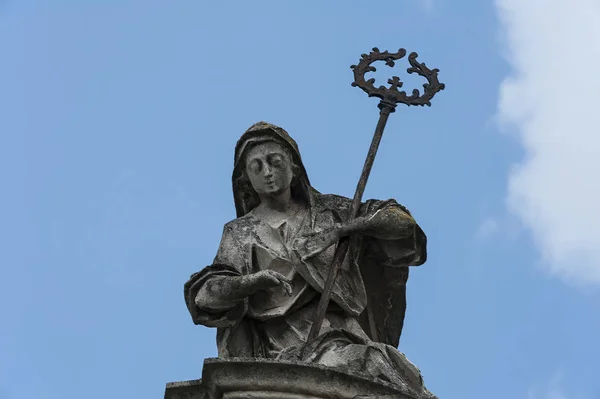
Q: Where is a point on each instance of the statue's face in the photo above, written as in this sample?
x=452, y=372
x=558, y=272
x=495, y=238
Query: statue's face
x=269, y=168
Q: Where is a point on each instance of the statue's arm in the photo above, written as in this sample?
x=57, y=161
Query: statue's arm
x=221, y=292
x=387, y=223
x=392, y=233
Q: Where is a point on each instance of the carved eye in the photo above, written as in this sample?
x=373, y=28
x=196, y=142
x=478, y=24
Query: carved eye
x=276, y=160
x=255, y=166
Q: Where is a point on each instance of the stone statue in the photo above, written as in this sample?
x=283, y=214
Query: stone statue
x=264, y=284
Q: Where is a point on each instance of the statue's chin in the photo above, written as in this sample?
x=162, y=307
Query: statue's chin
x=273, y=192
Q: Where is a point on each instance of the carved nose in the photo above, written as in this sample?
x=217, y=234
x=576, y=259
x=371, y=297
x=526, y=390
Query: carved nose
x=268, y=172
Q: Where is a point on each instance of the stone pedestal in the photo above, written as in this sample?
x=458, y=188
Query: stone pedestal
x=265, y=379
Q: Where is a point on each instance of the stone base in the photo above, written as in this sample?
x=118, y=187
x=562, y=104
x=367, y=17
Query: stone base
x=268, y=379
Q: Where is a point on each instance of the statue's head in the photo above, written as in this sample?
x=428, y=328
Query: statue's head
x=267, y=162
x=269, y=168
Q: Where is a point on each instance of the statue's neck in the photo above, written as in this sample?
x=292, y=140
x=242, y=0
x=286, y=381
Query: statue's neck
x=281, y=204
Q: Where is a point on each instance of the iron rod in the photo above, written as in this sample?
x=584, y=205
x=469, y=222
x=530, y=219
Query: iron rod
x=342, y=248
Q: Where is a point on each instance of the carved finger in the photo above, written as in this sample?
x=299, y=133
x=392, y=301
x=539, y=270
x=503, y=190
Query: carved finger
x=284, y=279
x=278, y=275
x=273, y=280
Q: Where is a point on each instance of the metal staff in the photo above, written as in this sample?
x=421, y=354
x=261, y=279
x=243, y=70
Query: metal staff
x=389, y=98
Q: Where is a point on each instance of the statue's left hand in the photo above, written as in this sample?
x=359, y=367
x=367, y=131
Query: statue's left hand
x=316, y=243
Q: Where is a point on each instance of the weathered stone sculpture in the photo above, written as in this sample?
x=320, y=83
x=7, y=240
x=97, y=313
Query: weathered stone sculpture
x=271, y=270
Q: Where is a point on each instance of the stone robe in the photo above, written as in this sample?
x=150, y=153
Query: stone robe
x=365, y=317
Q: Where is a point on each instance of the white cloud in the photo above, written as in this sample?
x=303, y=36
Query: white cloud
x=552, y=97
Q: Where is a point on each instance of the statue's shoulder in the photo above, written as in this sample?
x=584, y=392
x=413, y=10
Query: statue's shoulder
x=341, y=203
x=332, y=201
x=238, y=225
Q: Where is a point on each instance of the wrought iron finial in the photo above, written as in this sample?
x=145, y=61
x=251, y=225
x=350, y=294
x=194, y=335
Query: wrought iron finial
x=390, y=96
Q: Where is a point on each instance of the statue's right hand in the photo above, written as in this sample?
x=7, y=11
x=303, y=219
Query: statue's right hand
x=266, y=279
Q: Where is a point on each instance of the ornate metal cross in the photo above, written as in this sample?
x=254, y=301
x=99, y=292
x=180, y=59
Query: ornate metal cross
x=389, y=98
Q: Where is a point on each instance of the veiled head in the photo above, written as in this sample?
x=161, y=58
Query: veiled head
x=264, y=144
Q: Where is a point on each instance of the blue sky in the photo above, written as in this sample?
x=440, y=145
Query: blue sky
x=116, y=147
